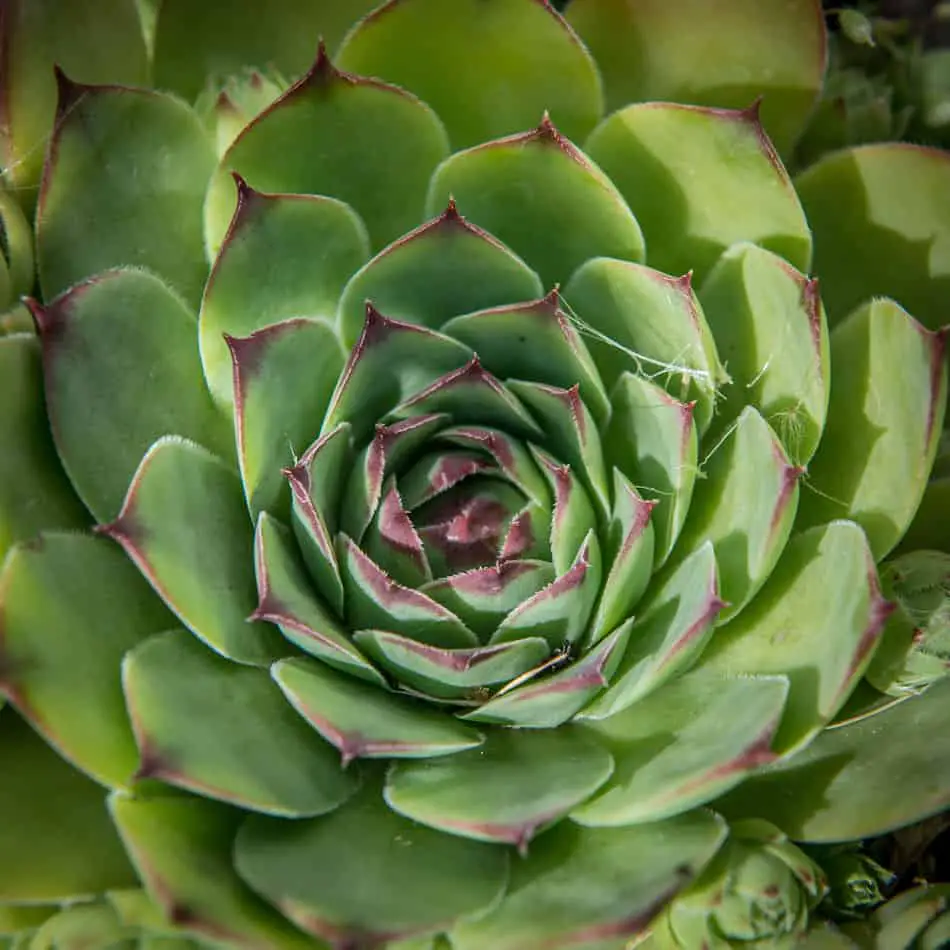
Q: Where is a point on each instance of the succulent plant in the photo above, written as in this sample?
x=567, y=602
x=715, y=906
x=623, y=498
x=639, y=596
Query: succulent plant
x=435, y=508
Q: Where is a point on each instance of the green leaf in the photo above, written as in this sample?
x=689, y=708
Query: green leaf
x=928, y=527
x=287, y=599
x=817, y=620
x=559, y=612
x=472, y=395
x=482, y=597
x=629, y=552
x=745, y=505
x=674, y=626
x=363, y=721
x=883, y=426
x=699, y=180
x=84, y=925
x=182, y=849
x=394, y=878
x=557, y=697
x=323, y=137
x=224, y=731
x=284, y=256
x=142, y=207
x=196, y=44
x=466, y=59
x=316, y=484
x=771, y=331
x=185, y=526
x=452, y=674
x=652, y=440
x=444, y=268
x=533, y=341
x=859, y=780
x=593, y=888
x=523, y=188
x=99, y=41
x=391, y=361
x=639, y=319
x=16, y=248
x=505, y=791
x=683, y=745
x=374, y=600
x=121, y=349
x=70, y=608
x=881, y=219
x=44, y=803
x=673, y=50
x=35, y=494
x=284, y=376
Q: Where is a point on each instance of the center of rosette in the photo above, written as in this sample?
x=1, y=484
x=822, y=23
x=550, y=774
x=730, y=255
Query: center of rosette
x=452, y=516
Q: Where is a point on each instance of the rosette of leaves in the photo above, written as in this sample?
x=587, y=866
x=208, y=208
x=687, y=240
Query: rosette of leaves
x=434, y=499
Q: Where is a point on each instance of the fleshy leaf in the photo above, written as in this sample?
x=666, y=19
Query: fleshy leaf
x=284, y=256
x=630, y=543
x=817, y=620
x=683, y=745
x=287, y=600
x=859, y=780
x=883, y=426
x=675, y=624
x=391, y=361
x=346, y=896
x=182, y=849
x=283, y=378
x=100, y=41
x=699, y=180
x=745, y=505
x=363, y=721
x=92, y=924
x=528, y=185
x=510, y=455
x=185, y=526
x=472, y=394
x=224, y=731
x=195, y=43
x=323, y=137
x=928, y=527
x=572, y=519
x=464, y=61
x=16, y=248
x=578, y=888
x=375, y=600
x=143, y=208
x=534, y=341
x=44, y=802
x=571, y=434
x=639, y=319
x=390, y=448
x=393, y=542
x=505, y=791
x=451, y=674
x=35, y=494
x=316, y=484
x=881, y=219
x=652, y=439
x=484, y=596
x=675, y=51
x=443, y=268
x=120, y=348
x=70, y=607
x=771, y=331
x=547, y=703
x=559, y=612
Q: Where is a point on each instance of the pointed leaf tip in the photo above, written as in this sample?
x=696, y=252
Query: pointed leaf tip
x=68, y=92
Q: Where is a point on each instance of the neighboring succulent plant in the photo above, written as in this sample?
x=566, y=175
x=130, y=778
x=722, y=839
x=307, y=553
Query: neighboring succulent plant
x=424, y=531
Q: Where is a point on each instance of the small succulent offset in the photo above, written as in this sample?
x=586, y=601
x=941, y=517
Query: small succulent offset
x=441, y=506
